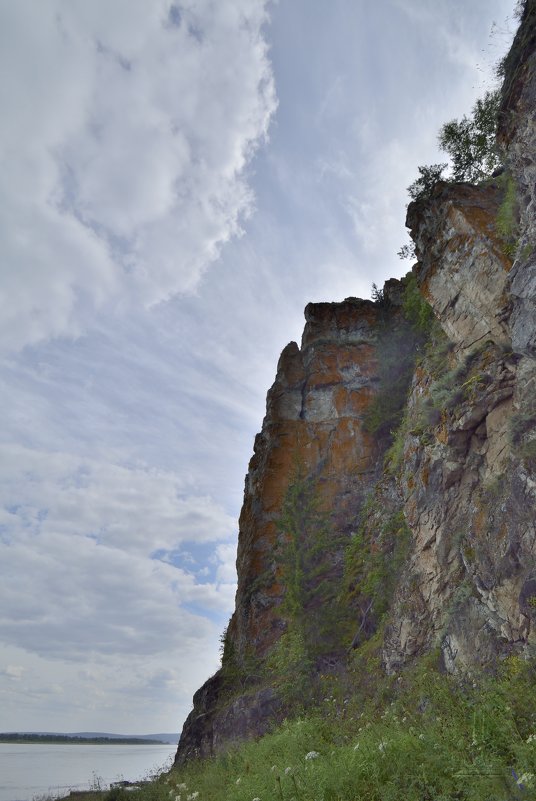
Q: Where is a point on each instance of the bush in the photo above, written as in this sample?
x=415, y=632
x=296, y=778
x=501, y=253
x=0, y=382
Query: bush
x=470, y=142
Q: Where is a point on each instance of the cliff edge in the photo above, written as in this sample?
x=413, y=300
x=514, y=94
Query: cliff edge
x=390, y=502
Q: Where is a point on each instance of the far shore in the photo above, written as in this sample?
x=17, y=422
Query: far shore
x=60, y=739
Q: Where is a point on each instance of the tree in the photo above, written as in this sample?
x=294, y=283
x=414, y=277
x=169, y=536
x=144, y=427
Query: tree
x=429, y=175
x=470, y=142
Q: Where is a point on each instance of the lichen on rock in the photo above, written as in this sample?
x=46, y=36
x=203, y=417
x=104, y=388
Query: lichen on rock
x=393, y=483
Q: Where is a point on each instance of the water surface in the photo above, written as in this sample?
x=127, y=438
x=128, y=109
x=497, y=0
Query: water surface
x=39, y=769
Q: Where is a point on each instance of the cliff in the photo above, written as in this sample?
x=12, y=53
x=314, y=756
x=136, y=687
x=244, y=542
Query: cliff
x=390, y=500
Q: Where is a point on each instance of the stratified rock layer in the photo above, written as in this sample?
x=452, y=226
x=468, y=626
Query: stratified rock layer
x=314, y=427
x=465, y=479
x=313, y=424
x=469, y=483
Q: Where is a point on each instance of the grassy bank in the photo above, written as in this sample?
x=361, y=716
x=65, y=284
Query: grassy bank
x=419, y=736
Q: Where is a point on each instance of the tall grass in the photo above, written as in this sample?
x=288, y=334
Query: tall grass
x=432, y=738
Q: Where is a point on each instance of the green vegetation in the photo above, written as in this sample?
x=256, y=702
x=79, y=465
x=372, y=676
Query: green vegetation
x=429, y=175
x=316, y=617
x=507, y=222
x=397, y=350
x=470, y=142
x=420, y=736
x=471, y=145
x=373, y=561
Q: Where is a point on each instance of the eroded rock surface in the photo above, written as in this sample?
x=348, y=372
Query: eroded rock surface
x=314, y=426
x=460, y=489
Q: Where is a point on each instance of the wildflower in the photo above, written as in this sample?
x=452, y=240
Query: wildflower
x=238, y=780
x=192, y=796
x=404, y=719
x=526, y=780
x=177, y=798
x=356, y=746
x=273, y=768
x=182, y=786
x=288, y=771
x=312, y=755
x=421, y=736
x=256, y=799
x=531, y=738
x=381, y=747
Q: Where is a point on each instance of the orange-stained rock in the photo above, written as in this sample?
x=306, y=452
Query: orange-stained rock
x=314, y=424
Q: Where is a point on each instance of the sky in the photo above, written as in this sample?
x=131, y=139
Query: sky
x=179, y=179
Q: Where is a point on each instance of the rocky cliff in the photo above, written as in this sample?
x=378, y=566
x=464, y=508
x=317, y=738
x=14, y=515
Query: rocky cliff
x=391, y=494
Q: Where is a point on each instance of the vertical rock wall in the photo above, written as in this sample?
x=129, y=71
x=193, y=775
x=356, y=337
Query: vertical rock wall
x=313, y=426
x=465, y=475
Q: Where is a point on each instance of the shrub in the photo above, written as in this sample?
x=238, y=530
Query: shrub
x=470, y=142
x=507, y=220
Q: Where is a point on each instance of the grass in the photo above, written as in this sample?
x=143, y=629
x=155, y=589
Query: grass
x=420, y=736
x=436, y=739
x=507, y=221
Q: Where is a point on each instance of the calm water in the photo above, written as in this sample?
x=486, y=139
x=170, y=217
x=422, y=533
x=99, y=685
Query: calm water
x=32, y=770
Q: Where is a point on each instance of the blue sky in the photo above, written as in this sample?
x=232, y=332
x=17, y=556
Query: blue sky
x=179, y=179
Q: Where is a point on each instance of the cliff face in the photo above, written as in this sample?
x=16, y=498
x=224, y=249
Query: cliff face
x=312, y=433
x=468, y=478
x=433, y=546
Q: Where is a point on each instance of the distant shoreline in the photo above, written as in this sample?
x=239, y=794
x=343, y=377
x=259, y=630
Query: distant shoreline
x=61, y=739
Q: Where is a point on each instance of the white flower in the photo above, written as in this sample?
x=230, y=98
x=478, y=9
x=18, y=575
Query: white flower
x=421, y=736
x=381, y=747
x=177, y=798
x=287, y=771
x=238, y=780
x=182, y=786
x=356, y=746
x=527, y=779
x=404, y=719
x=256, y=799
x=531, y=738
x=273, y=768
x=192, y=796
x=312, y=755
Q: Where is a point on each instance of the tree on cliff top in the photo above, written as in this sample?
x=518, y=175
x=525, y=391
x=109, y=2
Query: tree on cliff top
x=470, y=142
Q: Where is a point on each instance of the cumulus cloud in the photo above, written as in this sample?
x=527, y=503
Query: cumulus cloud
x=127, y=131
x=78, y=576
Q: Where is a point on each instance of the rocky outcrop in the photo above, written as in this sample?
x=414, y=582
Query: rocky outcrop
x=463, y=269
x=313, y=428
x=441, y=533
x=469, y=479
x=314, y=425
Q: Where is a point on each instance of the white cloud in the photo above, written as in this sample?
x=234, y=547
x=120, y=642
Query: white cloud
x=119, y=506
x=77, y=573
x=127, y=131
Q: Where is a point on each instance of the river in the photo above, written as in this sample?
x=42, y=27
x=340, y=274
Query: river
x=41, y=769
